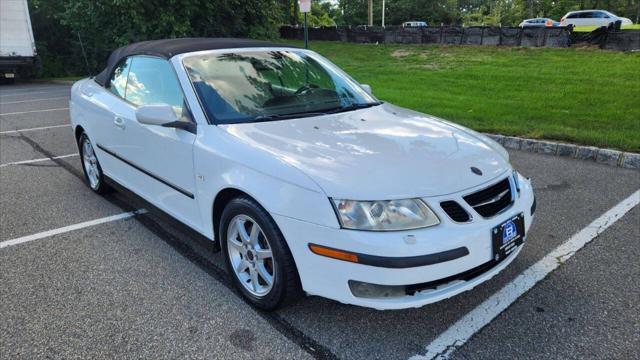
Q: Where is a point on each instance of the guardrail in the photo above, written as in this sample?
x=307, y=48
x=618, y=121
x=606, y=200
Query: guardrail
x=606, y=38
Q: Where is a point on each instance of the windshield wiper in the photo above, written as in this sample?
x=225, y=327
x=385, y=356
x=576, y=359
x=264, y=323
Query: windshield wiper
x=351, y=107
x=273, y=117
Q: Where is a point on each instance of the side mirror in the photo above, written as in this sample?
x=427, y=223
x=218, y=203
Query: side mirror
x=162, y=115
x=156, y=114
x=367, y=88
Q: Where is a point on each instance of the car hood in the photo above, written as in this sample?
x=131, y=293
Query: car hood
x=378, y=153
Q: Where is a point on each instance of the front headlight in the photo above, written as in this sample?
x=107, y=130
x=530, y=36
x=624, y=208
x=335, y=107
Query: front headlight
x=385, y=215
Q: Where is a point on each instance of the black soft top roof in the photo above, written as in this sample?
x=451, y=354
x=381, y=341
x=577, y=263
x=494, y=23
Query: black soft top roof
x=167, y=48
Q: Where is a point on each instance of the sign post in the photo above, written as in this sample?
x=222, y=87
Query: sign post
x=305, y=7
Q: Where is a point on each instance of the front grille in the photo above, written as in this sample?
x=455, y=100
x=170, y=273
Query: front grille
x=455, y=211
x=492, y=200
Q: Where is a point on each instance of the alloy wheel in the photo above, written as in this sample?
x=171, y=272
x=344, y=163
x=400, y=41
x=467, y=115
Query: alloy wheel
x=250, y=255
x=90, y=164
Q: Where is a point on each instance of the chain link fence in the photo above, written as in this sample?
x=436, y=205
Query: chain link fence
x=560, y=37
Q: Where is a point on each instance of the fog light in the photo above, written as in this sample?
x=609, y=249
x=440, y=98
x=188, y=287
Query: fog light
x=374, y=291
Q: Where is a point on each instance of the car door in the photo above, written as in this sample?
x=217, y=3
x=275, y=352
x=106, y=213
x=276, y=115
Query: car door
x=159, y=159
x=107, y=102
x=576, y=19
x=588, y=18
x=602, y=18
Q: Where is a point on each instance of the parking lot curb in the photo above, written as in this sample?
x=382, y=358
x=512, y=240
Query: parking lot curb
x=627, y=160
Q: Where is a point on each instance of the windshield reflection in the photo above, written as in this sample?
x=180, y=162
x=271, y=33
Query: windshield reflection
x=248, y=86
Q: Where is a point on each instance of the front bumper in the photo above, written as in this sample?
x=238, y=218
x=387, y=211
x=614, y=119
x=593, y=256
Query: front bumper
x=330, y=278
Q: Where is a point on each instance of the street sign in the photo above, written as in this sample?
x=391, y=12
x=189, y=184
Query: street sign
x=305, y=6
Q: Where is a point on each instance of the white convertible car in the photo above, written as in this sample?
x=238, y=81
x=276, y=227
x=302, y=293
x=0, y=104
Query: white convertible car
x=308, y=183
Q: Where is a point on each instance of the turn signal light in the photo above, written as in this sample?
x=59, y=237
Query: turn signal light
x=333, y=253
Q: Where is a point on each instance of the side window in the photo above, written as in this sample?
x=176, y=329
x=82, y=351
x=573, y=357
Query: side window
x=153, y=81
x=118, y=81
x=573, y=16
x=587, y=15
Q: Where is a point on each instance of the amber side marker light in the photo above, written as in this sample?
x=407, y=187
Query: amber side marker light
x=333, y=253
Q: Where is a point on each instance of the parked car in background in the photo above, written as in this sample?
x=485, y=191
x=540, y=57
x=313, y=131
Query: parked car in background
x=592, y=18
x=539, y=22
x=414, y=24
x=17, y=47
x=304, y=178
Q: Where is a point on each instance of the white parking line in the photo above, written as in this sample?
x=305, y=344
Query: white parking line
x=37, y=160
x=460, y=332
x=2, y=95
x=69, y=228
x=33, y=100
x=34, y=111
x=32, y=129
x=29, y=90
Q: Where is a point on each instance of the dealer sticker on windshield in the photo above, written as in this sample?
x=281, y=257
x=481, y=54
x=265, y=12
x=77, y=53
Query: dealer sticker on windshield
x=507, y=236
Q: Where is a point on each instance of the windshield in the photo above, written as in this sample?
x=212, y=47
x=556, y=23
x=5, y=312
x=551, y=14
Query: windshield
x=248, y=86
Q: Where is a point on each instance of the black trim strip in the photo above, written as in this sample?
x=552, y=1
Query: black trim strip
x=165, y=182
x=533, y=206
x=404, y=262
x=464, y=276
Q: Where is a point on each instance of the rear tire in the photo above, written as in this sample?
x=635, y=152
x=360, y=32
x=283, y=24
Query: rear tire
x=91, y=168
x=257, y=256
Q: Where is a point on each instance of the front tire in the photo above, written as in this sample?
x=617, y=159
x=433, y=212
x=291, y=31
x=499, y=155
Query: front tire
x=91, y=166
x=257, y=256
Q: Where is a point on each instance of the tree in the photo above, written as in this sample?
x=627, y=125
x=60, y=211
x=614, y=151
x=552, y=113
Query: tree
x=105, y=25
x=476, y=12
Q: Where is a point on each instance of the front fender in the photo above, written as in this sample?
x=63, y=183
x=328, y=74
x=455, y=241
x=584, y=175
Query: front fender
x=221, y=162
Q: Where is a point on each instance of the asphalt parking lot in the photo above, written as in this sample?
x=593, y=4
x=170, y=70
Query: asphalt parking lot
x=141, y=286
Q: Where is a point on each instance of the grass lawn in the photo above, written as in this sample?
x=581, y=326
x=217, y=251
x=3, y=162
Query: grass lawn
x=591, y=28
x=579, y=95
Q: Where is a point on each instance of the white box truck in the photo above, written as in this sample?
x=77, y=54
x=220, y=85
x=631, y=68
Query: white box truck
x=17, y=47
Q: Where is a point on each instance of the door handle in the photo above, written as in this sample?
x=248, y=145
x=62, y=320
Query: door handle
x=119, y=122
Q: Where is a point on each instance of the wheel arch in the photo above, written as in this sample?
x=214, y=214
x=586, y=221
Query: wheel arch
x=77, y=132
x=292, y=285
x=223, y=197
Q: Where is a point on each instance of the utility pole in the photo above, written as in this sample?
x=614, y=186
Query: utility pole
x=370, y=23
x=382, y=13
x=306, y=32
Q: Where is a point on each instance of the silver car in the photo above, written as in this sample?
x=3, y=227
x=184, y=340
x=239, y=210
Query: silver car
x=539, y=22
